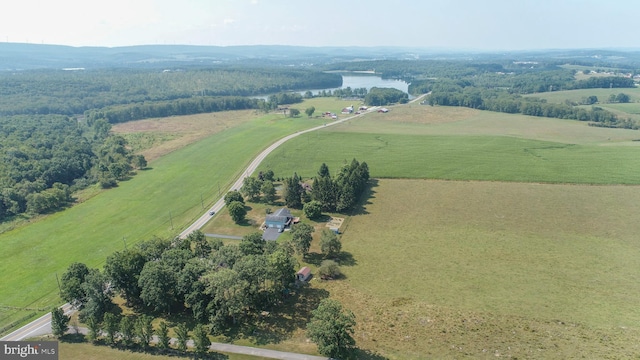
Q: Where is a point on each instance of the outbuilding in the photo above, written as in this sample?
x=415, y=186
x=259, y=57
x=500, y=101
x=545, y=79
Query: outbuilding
x=303, y=274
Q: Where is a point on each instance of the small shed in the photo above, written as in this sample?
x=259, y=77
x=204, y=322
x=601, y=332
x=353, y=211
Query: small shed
x=303, y=274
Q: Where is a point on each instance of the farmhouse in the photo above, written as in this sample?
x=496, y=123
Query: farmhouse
x=303, y=274
x=279, y=219
x=348, y=110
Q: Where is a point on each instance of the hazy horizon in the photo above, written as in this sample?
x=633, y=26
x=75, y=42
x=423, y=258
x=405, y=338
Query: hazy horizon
x=466, y=25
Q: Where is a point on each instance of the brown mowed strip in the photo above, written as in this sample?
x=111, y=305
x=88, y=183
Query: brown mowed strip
x=172, y=133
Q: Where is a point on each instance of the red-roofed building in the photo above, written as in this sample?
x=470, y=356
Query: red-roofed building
x=303, y=274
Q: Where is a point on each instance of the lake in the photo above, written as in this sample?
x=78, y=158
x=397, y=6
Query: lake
x=368, y=81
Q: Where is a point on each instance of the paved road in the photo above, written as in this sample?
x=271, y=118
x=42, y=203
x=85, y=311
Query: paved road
x=40, y=326
x=252, y=168
x=220, y=236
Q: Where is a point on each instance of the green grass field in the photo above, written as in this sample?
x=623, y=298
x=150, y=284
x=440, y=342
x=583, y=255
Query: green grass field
x=170, y=192
x=490, y=158
x=577, y=95
x=473, y=269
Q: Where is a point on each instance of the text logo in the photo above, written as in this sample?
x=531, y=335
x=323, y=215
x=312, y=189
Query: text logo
x=40, y=350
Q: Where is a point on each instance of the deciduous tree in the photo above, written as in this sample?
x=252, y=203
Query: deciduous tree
x=72, y=280
x=237, y=211
x=163, y=336
x=59, y=322
x=251, y=188
x=268, y=192
x=182, y=335
x=331, y=328
x=233, y=196
x=329, y=243
x=309, y=111
x=312, y=209
x=301, y=237
x=158, y=282
x=201, y=340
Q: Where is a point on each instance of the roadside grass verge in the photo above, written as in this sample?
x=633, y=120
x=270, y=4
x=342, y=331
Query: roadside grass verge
x=483, y=269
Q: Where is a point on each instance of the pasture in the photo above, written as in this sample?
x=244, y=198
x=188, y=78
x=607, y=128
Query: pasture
x=469, y=147
x=577, y=96
x=483, y=269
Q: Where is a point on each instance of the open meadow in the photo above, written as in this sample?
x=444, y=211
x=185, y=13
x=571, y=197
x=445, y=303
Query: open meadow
x=469, y=145
x=577, y=96
x=450, y=268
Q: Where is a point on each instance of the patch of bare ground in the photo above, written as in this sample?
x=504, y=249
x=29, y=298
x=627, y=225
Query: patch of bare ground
x=425, y=114
x=159, y=136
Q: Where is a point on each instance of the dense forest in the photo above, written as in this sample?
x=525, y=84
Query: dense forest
x=74, y=92
x=46, y=157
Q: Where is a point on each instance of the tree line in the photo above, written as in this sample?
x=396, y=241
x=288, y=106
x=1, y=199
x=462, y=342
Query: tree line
x=74, y=92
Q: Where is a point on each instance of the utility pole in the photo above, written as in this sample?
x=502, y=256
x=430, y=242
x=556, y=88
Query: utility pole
x=58, y=281
x=201, y=201
x=171, y=220
x=124, y=240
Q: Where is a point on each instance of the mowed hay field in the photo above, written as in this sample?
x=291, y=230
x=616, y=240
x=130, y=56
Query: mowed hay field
x=423, y=142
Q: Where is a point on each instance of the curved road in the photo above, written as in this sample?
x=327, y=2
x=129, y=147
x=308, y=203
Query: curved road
x=252, y=168
x=256, y=162
x=42, y=325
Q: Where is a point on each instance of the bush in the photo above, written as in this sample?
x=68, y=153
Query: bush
x=329, y=269
x=312, y=209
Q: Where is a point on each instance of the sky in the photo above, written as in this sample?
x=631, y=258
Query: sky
x=449, y=24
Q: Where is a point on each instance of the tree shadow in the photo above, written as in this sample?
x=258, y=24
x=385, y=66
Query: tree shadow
x=73, y=338
x=365, y=199
x=314, y=258
x=363, y=354
x=321, y=219
x=345, y=258
x=294, y=313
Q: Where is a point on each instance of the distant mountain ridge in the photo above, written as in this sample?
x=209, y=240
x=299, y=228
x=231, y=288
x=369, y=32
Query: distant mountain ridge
x=23, y=56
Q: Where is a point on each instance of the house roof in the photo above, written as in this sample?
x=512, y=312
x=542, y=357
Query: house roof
x=305, y=271
x=282, y=216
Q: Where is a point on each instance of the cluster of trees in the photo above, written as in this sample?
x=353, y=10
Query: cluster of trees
x=342, y=192
x=500, y=101
x=218, y=285
x=44, y=158
x=385, y=96
x=71, y=93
